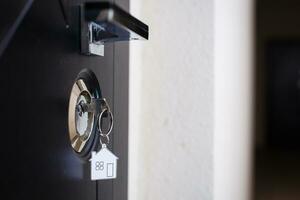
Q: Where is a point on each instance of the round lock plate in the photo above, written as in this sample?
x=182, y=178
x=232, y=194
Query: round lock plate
x=82, y=125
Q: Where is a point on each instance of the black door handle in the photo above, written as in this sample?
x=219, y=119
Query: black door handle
x=102, y=22
x=107, y=22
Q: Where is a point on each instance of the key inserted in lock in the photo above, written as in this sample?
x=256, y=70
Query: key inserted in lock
x=94, y=106
x=82, y=125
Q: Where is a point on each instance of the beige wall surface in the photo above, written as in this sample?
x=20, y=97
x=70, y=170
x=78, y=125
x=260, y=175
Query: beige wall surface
x=171, y=102
x=191, y=101
x=233, y=99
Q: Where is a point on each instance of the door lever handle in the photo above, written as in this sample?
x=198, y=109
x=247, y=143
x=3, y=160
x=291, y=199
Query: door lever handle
x=100, y=23
x=103, y=22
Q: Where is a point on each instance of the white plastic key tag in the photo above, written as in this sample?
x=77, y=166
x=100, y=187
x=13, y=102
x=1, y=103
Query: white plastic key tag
x=103, y=164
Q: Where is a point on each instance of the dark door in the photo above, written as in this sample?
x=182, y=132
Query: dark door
x=38, y=67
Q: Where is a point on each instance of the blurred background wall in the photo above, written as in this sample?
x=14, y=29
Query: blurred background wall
x=276, y=21
x=190, y=101
x=277, y=113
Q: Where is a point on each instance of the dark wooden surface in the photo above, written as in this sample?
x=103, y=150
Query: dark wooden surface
x=11, y=15
x=121, y=83
x=38, y=69
x=117, y=189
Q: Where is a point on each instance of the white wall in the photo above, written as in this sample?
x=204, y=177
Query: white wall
x=233, y=72
x=171, y=104
x=174, y=117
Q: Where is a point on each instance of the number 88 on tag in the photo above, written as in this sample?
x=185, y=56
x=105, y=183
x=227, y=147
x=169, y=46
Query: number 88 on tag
x=103, y=165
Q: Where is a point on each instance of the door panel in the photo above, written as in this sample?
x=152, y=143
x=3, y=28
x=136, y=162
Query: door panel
x=38, y=70
x=11, y=14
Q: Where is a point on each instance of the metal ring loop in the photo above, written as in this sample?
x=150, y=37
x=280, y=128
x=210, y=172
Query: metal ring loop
x=111, y=122
x=104, y=136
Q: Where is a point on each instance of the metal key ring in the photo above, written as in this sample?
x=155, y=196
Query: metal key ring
x=106, y=137
x=111, y=122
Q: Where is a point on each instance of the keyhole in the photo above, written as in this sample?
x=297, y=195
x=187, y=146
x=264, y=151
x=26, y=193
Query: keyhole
x=84, y=120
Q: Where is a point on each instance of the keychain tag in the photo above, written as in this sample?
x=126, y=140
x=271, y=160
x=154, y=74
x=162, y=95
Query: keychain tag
x=103, y=164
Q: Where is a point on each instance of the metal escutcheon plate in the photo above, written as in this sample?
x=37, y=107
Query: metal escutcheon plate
x=82, y=127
